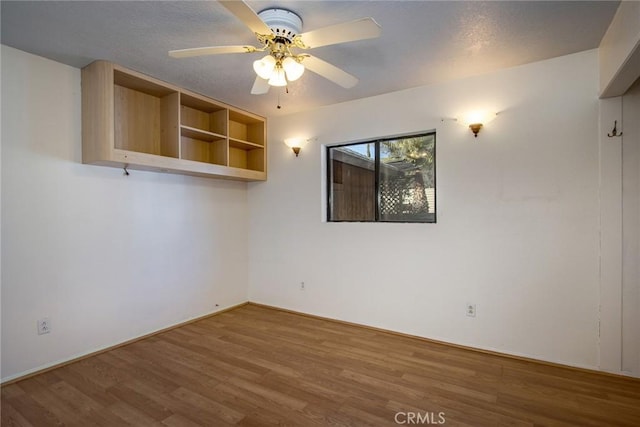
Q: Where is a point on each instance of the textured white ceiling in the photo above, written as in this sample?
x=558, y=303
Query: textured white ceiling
x=422, y=42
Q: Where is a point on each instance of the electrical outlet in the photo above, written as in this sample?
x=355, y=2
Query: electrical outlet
x=471, y=310
x=44, y=326
x=302, y=286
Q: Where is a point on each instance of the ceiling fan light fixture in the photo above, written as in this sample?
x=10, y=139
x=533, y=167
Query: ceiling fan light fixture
x=277, y=77
x=265, y=67
x=292, y=68
x=279, y=32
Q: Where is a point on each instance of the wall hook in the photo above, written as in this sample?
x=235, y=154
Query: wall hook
x=614, y=131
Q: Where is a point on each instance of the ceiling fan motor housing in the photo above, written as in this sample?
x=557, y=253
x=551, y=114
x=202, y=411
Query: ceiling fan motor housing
x=283, y=23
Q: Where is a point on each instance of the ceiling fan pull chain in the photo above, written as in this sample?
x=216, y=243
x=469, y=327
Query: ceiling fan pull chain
x=286, y=90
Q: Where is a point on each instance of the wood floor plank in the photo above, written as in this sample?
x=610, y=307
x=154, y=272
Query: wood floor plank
x=195, y=412
x=363, y=417
x=12, y=391
x=278, y=398
x=306, y=391
x=97, y=372
x=132, y=416
x=223, y=412
x=140, y=372
x=85, y=386
x=177, y=420
x=393, y=387
x=101, y=418
x=140, y=398
x=256, y=366
x=169, y=366
x=262, y=410
x=36, y=413
x=197, y=381
x=9, y=416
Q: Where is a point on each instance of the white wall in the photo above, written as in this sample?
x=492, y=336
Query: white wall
x=518, y=213
x=619, y=60
x=631, y=231
x=104, y=256
x=610, y=199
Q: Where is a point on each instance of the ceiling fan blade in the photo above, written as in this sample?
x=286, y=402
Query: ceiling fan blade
x=210, y=50
x=260, y=86
x=243, y=12
x=330, y=72
x=360, y=29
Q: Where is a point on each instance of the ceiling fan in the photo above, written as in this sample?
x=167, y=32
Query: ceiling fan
x=279, y=33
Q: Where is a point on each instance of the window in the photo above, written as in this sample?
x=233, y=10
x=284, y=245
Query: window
x=387, y=180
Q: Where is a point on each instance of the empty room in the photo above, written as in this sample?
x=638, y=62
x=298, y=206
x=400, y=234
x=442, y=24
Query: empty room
x=311, y=213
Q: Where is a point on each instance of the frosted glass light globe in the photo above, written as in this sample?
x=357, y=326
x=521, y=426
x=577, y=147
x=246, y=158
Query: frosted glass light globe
x=264, y=67
x=277, y=78
x=292, y=68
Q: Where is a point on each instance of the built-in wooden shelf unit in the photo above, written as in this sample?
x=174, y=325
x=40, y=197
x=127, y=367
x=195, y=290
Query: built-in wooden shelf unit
x=135, y=121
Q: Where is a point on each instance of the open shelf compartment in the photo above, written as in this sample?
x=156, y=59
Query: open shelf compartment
x=246, y=128
x=203, y=130
x=146, y=119
x=199, y=150
x=247, y=159
x=198, y=113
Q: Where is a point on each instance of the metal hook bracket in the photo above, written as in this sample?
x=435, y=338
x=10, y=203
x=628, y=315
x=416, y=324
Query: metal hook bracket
x=614, y=131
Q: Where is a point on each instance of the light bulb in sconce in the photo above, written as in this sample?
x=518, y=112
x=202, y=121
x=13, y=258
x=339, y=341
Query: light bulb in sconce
x=475, y=120
x=296, y=144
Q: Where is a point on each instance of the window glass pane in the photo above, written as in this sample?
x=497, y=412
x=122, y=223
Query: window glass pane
x=352, y=182
x=390, y=180
x=407, y=179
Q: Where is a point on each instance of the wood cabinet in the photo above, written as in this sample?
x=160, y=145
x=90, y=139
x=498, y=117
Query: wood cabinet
x=135, y=121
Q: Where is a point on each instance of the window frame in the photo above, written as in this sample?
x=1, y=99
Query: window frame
x=377, y=142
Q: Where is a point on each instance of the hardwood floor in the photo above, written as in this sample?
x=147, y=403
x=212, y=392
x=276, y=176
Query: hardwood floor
x=255, y=366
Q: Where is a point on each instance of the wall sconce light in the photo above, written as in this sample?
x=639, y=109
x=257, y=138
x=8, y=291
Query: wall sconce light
x=475, y=128
x=296, y=144
x=475, y=120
